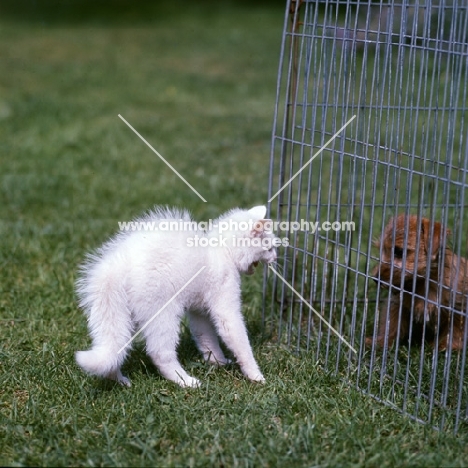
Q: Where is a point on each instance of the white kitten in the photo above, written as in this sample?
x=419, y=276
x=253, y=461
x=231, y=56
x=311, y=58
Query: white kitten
x=147, y=280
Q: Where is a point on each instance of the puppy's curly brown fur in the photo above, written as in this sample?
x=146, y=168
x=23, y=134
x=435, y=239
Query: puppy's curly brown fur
x=428, y=285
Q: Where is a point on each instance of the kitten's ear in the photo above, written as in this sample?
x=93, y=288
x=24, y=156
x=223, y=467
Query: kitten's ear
x=258, y=212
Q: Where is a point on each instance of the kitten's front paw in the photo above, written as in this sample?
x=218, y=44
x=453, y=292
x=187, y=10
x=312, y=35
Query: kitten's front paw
x=259, y=379
x=254, y=375
x=189, y=382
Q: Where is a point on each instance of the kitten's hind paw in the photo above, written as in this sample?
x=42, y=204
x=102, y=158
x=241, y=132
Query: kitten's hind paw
x=124, y=381
x=119, y=377
x=217, y=359
x=220, y=362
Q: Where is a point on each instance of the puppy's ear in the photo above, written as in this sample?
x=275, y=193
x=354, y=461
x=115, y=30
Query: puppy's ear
x=438, y=236
x=376, y=241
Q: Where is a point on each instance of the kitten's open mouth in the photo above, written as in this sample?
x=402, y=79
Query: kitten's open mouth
x=251, y=269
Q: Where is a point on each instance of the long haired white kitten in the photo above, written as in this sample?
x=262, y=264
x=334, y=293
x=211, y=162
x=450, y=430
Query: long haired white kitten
x=147, y=279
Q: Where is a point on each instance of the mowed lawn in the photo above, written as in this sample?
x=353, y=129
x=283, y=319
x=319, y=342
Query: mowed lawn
x=198, y=81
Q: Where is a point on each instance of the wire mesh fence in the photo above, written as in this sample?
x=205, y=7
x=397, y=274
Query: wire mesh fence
x=368, y=181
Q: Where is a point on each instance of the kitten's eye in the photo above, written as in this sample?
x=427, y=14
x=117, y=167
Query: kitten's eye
x=398, y=252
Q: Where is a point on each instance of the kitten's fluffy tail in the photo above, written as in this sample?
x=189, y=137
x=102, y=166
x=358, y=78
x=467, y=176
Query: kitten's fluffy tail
x=102, y=295
x=98, y=361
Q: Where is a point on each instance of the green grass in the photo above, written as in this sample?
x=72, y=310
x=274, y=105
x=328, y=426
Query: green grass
x=198, y=82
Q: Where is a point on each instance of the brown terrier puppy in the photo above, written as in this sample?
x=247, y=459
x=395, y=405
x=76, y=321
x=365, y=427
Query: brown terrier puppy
x=432, y=304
